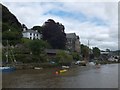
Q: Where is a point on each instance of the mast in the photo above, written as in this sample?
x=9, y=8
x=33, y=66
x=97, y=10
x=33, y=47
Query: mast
x=7, y=52
x=88, y=51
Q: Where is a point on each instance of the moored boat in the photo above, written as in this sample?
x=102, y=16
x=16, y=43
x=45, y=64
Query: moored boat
x=65, y=67
x=38, y=68
x=64, y=70
x=7, y=69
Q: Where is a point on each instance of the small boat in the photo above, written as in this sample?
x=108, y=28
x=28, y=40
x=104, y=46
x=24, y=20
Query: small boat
x=91, y=63
x=9, y=55
x=7, y=69
x=80, y=63
x=65, y=67
x=38, y=68
x=62, y=71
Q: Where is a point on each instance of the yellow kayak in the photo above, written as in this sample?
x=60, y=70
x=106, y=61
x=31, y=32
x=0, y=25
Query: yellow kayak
x=61, y=71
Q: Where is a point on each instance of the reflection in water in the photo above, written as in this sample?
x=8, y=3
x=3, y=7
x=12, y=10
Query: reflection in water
x=77, y=77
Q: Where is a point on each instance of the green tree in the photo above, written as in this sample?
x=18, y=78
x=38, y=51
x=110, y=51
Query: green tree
x=12, y=35
x=96, y=52
x=84, y=51
x=108, y=50
x=11, y=27
x=63, y=58
x=39, y=28
x=76, y=56
x=37, y=46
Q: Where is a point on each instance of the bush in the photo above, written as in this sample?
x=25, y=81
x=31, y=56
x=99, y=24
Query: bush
x=63, y=58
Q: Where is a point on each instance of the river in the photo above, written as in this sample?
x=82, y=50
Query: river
x=76, y=77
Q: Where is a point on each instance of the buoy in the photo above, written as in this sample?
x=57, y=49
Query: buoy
x=56, y=72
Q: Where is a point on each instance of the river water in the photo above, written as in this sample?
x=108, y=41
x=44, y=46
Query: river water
x=76, y=77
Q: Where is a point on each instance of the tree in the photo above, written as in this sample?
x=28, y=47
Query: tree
x=39, y=28
x=96, y=52
x=84, y=51
x=37, y=46
x=11, y=34
x=54, y=33
x=63, y=58
x=11, y=27
x=76, y=56
x=108, y=50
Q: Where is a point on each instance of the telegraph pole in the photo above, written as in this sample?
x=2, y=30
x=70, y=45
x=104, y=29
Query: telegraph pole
x=88, y=51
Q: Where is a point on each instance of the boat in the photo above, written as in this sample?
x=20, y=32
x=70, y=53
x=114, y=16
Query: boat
x=65, y=67
x=8, y=54
x=7, y=69
x=80, y=63
x=62, y=71
x=38, y=68
x=91, y=64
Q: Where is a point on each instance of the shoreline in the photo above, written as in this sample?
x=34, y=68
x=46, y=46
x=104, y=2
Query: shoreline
x=40, y=66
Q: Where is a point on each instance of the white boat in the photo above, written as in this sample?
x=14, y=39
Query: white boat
x=38, y=68
x=1, y=68
x=65, y=67
x=91, y=63
x=81, y=63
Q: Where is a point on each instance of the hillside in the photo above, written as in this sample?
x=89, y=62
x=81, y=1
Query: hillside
x=11, y=27
x=9, y=18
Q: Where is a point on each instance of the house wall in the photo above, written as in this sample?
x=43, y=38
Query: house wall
x=73, y=44
x=70, y=44
x=31, y=36
x=26, y=35
x=77, y=45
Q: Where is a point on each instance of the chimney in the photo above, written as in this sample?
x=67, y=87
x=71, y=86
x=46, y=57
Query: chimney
x=24, y=29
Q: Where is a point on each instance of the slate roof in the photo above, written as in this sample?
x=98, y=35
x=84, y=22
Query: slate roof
x=31, y=31
x=70, y=35
x=54, y=51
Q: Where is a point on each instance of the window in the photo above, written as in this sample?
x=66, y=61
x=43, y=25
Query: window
x=30, y=33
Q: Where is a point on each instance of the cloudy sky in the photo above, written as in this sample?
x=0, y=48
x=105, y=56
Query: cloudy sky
x=93, y=21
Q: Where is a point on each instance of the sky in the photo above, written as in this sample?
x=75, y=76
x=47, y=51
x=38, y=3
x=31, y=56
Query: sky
x=96, y=21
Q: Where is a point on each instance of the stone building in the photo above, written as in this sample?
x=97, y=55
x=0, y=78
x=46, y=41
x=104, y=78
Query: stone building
x=73, y=43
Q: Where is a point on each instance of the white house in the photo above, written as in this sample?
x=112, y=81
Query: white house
x=31, y=34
